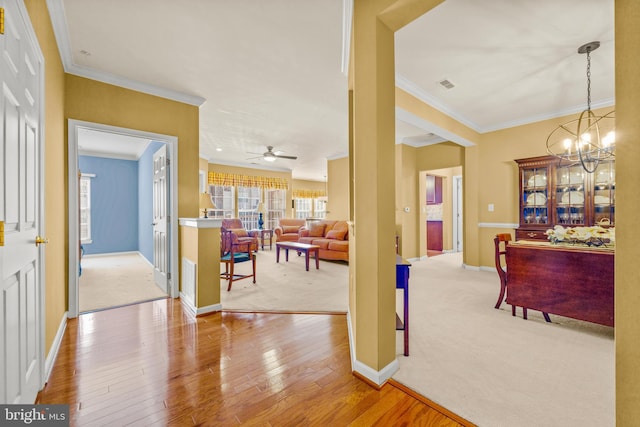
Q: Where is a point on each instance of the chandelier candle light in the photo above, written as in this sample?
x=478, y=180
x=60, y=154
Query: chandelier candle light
x=589, y=139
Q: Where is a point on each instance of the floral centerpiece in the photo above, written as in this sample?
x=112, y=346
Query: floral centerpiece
x=590, y=236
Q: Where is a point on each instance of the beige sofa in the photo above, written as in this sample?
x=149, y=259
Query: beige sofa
x=288, y=229
x=331, y=236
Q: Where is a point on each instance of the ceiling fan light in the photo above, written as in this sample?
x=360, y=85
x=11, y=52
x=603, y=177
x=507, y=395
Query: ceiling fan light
x=270, y=157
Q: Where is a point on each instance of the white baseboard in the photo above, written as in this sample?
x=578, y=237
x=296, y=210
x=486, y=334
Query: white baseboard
x=111, y=254
x=376, y=377
x=55, y=347
x=198, y=311
x=208, y=309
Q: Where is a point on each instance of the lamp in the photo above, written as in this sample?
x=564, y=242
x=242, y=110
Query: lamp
x=588, y=139
x=261, y=211
x=206, y=203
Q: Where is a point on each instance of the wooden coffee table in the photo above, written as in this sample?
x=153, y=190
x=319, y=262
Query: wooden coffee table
x=298, y=247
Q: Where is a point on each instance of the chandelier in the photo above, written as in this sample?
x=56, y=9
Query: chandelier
x=590, y=138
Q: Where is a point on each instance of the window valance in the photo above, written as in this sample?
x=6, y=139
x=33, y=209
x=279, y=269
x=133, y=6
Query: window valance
x=237, y=180
x=308, y=194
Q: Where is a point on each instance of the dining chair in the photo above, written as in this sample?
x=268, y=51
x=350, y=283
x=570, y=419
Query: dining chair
x=234, y=252
x=500, y=242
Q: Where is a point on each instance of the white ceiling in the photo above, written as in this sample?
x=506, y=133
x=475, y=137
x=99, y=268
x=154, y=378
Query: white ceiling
x=270, y=72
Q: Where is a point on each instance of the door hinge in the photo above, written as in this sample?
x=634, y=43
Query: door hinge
x=1, y=233
x=168, y=161
x=1, y=20
x=169, y=276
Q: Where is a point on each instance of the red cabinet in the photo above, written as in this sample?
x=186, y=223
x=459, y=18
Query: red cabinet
x=434, y=236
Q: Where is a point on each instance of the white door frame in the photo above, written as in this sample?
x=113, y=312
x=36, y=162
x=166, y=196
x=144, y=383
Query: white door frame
x=457, y=224
x=172, y=147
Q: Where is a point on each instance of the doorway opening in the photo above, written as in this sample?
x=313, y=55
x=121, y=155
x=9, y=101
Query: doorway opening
x=442, y=211
x=125, y=220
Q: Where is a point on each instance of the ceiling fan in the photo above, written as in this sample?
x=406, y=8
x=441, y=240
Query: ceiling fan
x=271, y=156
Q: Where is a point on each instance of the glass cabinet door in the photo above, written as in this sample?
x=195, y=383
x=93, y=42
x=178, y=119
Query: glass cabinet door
x=570, y=195
x=534, y=203
x=604, y=193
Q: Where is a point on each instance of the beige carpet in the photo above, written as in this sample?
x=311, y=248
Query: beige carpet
x=115, y=280
x=288, y=286
x=496, y=370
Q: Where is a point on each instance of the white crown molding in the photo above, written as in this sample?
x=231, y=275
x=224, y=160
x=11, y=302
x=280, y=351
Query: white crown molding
x=59, y=23
x=416, y=91
x=347, y=20
x=412, y=119
x=610, y=102
x=420, y=141
x=107, y=155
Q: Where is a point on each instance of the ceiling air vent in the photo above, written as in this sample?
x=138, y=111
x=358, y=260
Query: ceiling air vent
x=446, y=84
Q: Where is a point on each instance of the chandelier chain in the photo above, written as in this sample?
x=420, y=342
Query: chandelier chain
x=588, y=80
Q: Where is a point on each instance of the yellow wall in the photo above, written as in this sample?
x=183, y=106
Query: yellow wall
x=627, y=297
x=201, y=246
x=407, y=198
x=303, y=184
x=498, y=180
x=68, y=96
x=338, y=189
x=55, y=182
x=93, y=101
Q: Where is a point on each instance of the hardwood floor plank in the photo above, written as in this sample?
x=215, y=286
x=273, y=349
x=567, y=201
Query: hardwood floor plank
x=155, y=364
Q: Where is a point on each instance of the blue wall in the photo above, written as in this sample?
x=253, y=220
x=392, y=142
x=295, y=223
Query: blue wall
x=114, y=204
x=145, y=201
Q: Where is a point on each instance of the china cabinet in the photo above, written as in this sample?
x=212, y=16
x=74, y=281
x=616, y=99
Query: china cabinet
x=555, y=193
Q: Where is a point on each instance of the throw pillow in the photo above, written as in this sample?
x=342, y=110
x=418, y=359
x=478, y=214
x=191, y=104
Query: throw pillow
x=239, y=232
x=317, y=230
x=336, y=234
x=290, y=228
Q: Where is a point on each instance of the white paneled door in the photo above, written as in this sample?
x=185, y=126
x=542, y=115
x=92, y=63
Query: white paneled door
x=21, y=65
x=160, y=219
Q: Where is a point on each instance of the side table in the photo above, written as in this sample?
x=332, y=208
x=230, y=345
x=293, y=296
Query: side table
x=265, y=233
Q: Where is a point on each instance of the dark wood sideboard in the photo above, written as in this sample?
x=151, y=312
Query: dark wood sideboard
x=570, y=281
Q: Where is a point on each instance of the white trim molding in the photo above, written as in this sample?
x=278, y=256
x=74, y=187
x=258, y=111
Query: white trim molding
x=376, y=377
x=497, y=225
x=184, y=300
x=59, y=23
x=55, y=347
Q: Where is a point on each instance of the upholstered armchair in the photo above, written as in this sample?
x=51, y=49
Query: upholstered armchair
x=239, y=233
x=288, y=229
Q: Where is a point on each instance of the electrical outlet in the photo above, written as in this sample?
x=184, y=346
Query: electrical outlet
x=491, y=208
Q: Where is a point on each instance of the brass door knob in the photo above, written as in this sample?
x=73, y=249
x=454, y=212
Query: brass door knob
x=40, y=239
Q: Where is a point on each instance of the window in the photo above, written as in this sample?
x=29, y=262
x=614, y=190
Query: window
x=248, y=199
x=303, y=208
x=275, y=206
x=85, y=207
x=223, y=198
x=320, y=207
x=238, y=196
